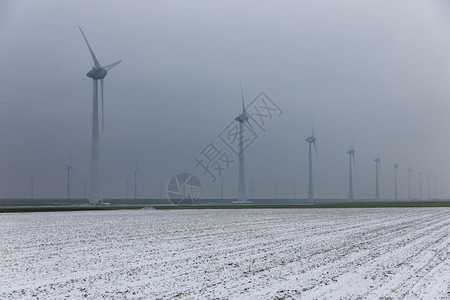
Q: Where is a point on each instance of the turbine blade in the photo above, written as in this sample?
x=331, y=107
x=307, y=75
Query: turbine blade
x=249, y=124
x=97, y=64
x=242, y=97
x=315, y=149
x=109, y=67
x=103, y=110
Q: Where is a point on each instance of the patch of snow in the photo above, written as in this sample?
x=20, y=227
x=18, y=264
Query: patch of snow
x=227, y=254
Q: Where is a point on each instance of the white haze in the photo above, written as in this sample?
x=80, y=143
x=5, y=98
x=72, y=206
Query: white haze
x=372, y=74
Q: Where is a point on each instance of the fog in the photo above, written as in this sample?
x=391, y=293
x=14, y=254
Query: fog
x=369, y=74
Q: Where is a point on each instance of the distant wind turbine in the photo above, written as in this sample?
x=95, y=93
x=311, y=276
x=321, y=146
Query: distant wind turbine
x=351, y=159
x=69, y=170
x=311, y=141
x=428, y=192
x=377, y=179
x=409, y=184
x=395, y=181
x=84, y=189
x=243, y=117
x=97, y=72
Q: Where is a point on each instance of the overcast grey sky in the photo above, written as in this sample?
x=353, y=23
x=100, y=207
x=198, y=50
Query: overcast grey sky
x=373, y=74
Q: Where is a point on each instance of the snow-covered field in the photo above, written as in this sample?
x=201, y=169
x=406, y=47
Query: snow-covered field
x=227, y=254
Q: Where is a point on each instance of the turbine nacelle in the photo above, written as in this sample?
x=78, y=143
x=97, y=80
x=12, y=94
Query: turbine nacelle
x=242, y=118
x=395, y=166
x=351, y=152
x=377, y=160
x=311, y=139
x=97, y=73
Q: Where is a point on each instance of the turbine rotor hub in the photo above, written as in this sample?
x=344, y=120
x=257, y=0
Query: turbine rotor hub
x=242, y=118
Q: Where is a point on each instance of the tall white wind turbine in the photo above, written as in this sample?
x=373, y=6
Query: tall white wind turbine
x=395, y=181
x=351, y=159
x=311, y=141
x=243, y=117
x=377, y=179
x=97, y=73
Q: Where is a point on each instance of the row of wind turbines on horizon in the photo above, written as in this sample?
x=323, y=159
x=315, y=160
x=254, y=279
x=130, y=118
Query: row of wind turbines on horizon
x=243, y=120
x=311, y=140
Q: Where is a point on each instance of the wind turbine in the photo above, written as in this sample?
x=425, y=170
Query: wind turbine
x=428, y=181
x=311, y=140
x=377, y=180
x=243, y=117
x=409, y=184
x=351, y=158
x=136, y=172
x=395, y=181
x=97, y=72
x=69, y=170
x=84, y=189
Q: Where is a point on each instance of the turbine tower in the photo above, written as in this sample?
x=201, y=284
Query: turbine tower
x=377, y=180
x=84, y=189
x=69, y=170
x=243, y=117
x=409, y=184
x=351, y=158
x=97, y=72
x=428, y=192
x=311, y=141
x=395, y=181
